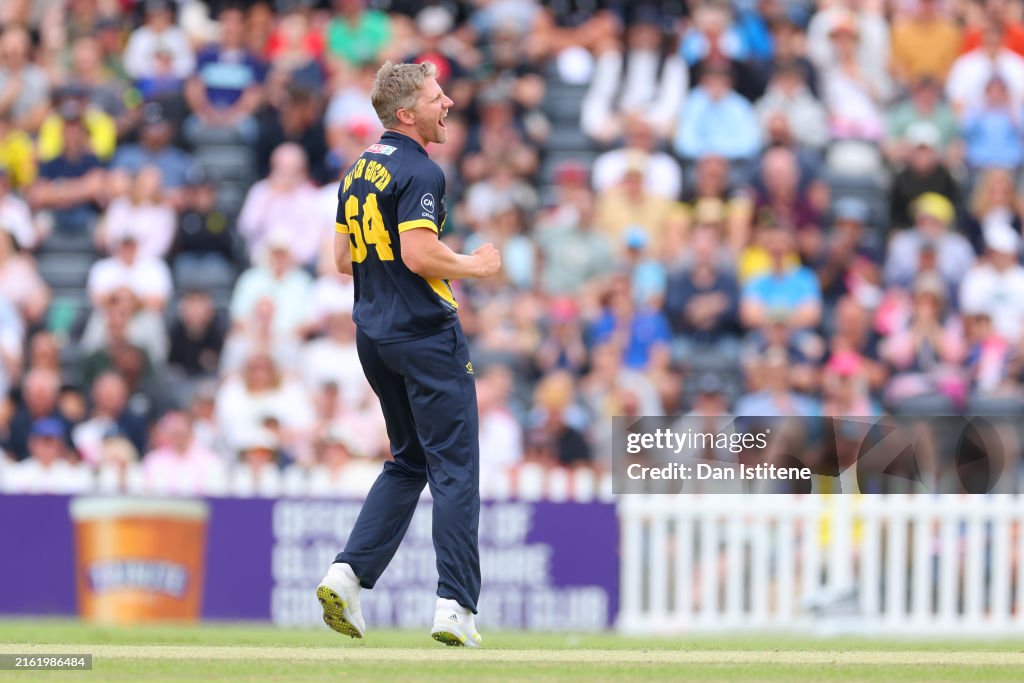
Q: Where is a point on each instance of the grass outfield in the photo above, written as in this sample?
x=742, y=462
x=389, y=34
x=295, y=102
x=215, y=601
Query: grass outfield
x=261, y=653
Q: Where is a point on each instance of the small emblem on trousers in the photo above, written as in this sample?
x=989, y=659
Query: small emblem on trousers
x=469, y=368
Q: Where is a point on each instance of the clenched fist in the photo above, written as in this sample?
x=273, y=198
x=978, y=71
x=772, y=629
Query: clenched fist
x=488, y=260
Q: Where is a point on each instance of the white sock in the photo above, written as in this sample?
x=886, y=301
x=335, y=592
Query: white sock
x=448, y=603
x=347, y=571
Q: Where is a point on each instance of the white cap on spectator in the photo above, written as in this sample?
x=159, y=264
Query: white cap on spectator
x=338, y=435
x=924, y=134
x=1001, y=237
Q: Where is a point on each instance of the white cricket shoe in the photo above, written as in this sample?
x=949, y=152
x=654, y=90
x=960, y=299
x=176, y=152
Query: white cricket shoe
x=454, y=625
x=338, y=594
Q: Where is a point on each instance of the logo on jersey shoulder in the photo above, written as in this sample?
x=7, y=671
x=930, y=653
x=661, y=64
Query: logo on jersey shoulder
x=427, y=202
x=378, y=148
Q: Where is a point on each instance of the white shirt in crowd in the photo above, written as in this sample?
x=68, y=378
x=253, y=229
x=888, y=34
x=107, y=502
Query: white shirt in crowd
x=999, y=293
x=31, y=476
x=240, y=412
x=144, y=277
x=145, y=44
x=16, y=218
x=152, y=225
x=632, y=85
x=662, y=175
x=965, y=85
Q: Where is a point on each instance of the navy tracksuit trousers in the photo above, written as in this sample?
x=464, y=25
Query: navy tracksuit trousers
x=428, y=394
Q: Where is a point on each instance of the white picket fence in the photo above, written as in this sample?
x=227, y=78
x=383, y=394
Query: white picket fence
x=906, y=564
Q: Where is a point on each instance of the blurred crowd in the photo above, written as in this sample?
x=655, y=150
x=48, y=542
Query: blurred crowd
x=759, y=207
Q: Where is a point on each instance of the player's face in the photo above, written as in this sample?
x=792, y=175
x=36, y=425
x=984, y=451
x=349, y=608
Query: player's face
x=431, y=109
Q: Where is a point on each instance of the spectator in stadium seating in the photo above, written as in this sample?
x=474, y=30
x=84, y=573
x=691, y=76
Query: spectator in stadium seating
x=12, y=333
x=550, y=423
x=100, y=126
x=702, y=301
x=562, y=347
x=159, y=49
x=259, y=332
x=789, y=48
x=781, y=198
x=197, y=336
x=245, y=402
x=925, y=352
x=662, y=175
x=498, y=137
x=43, y=352
x=852, y=17
x=297, y=119
x=572, y=249
x=278, y=278
x=295, y=48
x=855, y=88
x=15, y=216
x=971, y=74
x=501, y=436
x=992, y=131
x=331, y=473
x=257, y=472
x=286, y=197
x=446, y=49
x=17, y=154
x=629, y=204
x=996, y=283
x=71, y=185
x=848, y=262
x=148, y=279
x=789, y=102
x=845, y=388
x=144, y=213
x=931, y=232
x=122, y=321
x=20, y=284
x=924, y=105
x=1001, y=14
x=24, y=86
x=731, y=208
x=925, y=43
x=179, y=465
x=350, y=114
x=988, y=362
x=993, y=200
x=356, y=35
x=638, y=329
x=39, y=393
x=500, y=192
x=635, y=84
x=646, y=273
x=205, y=232
x=717, y=120
x=118, y=470
x=774, y=395
x=154, y=149
x=225, y=92
x=853, y=330
x=333, y=358
x=924, y=172
x=790, y=294
x=104, y=89
x=47, y=467
x=110, y=411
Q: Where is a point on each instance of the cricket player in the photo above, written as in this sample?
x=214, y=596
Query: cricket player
x=391, y=212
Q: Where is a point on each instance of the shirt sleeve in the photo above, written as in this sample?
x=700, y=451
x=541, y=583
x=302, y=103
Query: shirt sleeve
x=419, y=201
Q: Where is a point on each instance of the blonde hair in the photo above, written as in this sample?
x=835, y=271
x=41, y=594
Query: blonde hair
x=981, y=199
x=397, y=87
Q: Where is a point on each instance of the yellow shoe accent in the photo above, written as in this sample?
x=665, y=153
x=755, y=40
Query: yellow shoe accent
x=335, y=609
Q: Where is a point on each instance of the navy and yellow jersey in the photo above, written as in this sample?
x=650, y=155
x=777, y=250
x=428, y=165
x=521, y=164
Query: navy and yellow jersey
x=393, y=187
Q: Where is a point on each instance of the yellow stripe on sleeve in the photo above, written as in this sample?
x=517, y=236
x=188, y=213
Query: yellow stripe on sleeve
x=341, y=228
x=419, y=223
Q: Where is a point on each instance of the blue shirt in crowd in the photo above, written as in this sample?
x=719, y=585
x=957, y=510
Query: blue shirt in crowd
x=725, y=128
